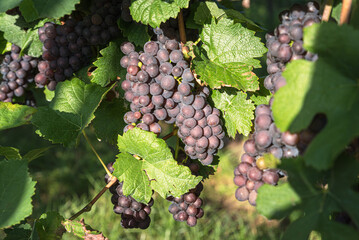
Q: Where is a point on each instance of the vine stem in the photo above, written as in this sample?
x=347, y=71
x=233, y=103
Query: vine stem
x=88, y=207
x=98, y=156
x=174, y=132
x=327, y=10
x=344, y=15
x=182, y=30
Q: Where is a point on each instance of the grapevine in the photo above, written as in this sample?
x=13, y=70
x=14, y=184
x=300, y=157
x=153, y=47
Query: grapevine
x=176, y=92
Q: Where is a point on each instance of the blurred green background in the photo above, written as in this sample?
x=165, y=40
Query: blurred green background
x=67, y=178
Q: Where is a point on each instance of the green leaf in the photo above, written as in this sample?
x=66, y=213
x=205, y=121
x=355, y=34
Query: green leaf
x=285, y=197
x=155, y=12
x=48, y=226
x=135, y=32
x=327, y=86
x=82, y=230
x=35, y=153
x=238, y=112
x=17, y=189
x=14, y=115
x=229, y=55
x=305, y=191
x=10, y=152
x=12, y=32
x=28, y=40
x=108, y=66
x=336, y=12
x=154, y=168
x=28, y=10
x=226, y=42
x=217, y=75
x=49, y=95
x=35, y=9
x=208, y=10
x=4, y=45
x=259, y=99
x=20, y=232
x=8, y=4
x=108, y=122
x=71, y=111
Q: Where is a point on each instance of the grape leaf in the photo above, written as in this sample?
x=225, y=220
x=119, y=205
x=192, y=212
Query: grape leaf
x=227, y=55
x=8, y=4
x=108, y=66
x=27, y=40
x=155, y=12
x=328, y=86
x=236, y=109
x=35, y=153
x=82, y=230
x=12, y=32
x=336, y=11
x=108, y=122
x=135, y=32
x=207, y=10
x=154, y=168
x=317, y=203
x=10, y=152
x=47, y=9
x=19, y=232
x=28, y=10
x=71, y=111
x=4, y=45
x=17, y=188
x=48, y=226
x=14, y=115
x=217, y=75
x=259, y=99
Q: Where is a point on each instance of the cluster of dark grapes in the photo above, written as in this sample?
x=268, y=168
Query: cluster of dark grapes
x=160, y=86
x=252, y=173
x=67, y=47
x=17, y=73
x=133, y=214
x=188, y=206
x=286, y=43
x=64, y=52
x=100, y=26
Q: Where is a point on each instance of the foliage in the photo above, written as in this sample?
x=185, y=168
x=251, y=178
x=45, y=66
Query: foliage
x=225, y=56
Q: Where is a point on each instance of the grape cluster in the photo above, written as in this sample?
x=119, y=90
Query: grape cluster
x=67, y=47
x=133, y=214
x=64, y=52
x=17, y=73
x=188, y=206
x=252, y=173
x=161, y=87
x=100, y=26
x=286, y=43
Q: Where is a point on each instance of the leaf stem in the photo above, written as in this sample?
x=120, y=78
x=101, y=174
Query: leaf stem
x=327, y=10
x=98, y=157
x=88, y=207
x=181, y=27
x=174, y=132
x=177, y=148
x=345, y=13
